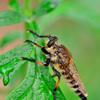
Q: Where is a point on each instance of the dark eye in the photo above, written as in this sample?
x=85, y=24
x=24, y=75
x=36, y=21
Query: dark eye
x=55, y=37
x=50, y=43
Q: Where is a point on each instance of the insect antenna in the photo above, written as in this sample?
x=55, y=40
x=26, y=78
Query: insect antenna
x=40, y=36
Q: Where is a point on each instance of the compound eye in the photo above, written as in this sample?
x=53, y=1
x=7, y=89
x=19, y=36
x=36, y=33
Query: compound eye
x=55, y=37
x=50, y=43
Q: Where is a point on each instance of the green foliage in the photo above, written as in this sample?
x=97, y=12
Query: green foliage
x=11, y=17
x=10, y=61
x=38, y=83
x=11, y=37
x=46, y=6
x=74, y=11
x=15, y=6
x=75, y=23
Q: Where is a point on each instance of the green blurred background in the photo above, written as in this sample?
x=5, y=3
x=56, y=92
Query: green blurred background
x=77, y=25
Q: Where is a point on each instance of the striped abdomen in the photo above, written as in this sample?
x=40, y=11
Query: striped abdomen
x=75, y=83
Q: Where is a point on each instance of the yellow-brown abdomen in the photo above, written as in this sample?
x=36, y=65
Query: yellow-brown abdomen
x=74, y=81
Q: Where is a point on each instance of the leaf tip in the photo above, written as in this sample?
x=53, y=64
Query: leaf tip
x=5, y=81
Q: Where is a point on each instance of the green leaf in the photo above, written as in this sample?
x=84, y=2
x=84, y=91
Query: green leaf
x=10, y=61
x=46, y=6
x=10, y=18
x=38, y=83
x=74, y=11
x=15, y=6
x=11, y=37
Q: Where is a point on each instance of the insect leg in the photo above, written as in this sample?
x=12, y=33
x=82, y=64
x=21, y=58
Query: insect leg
x=54, y=75
x=42, y=48
x=59, y=76
x=33, y=60
x=40, y=36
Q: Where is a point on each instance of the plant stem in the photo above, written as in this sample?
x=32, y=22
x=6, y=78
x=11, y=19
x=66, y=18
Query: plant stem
x=27, y=5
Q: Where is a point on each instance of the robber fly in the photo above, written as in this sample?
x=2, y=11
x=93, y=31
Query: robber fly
x=59, y=57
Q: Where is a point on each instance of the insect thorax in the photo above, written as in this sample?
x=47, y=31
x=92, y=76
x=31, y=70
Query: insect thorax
x=57, y=56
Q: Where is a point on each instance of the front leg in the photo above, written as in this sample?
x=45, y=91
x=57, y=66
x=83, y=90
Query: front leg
x=33, y=60
x=42, y=48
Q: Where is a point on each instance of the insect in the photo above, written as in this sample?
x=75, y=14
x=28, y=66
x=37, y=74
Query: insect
x=60, y=59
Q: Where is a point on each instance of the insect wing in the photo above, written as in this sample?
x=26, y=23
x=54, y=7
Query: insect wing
x=72, y=77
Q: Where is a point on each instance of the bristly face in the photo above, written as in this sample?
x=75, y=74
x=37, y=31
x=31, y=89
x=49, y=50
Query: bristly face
x=52, y=41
